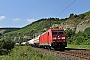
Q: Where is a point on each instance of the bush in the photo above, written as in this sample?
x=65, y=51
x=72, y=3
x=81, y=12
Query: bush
x=3, y=52
x=79, y=40
x=69, y=35
x=8, y=43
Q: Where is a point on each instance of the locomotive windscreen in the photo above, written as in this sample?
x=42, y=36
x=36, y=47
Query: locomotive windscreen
x=55, y=32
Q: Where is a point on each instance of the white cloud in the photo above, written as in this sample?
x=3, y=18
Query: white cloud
x=16, y=19
x=31, y=20
x=2, y=17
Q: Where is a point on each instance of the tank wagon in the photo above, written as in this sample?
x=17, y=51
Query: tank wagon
x=34, y=41
x=53, y=38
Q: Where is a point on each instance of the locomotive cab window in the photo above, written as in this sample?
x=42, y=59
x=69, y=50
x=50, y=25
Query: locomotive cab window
x=57, y=32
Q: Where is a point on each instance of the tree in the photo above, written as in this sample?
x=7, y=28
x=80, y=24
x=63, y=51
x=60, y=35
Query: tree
x=71, y=15
x=69, y=32
x=69, y=35
x=81, y=16
x=8, y=43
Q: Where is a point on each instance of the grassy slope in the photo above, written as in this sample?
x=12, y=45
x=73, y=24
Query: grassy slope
x=18, y=53
x=78, y=46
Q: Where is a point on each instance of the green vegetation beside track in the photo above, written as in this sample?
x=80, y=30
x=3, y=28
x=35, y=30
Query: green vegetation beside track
x=26, y=53
x=78, y=46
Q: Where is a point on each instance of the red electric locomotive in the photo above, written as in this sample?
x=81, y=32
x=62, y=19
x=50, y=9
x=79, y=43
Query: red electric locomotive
x=54, y=37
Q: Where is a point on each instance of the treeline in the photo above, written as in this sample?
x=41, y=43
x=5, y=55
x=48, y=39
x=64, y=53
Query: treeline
x=6, y=30
x=6, y=44
x=81, y=38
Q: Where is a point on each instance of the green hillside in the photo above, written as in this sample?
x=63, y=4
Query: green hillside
x=77, y=23
x=37, y=26
x=45, y=23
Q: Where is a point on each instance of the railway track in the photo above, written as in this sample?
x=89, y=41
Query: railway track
x=81, y=53
x=68, y=54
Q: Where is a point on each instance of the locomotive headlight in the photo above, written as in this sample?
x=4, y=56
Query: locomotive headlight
x=63, y=37
x=54, y=38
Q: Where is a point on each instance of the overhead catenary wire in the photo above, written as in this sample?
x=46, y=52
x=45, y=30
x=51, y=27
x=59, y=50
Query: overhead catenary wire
x=60, y=7
x=65, y=8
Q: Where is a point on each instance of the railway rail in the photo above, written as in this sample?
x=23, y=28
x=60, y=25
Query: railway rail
x=81, y=53
x=68, y=54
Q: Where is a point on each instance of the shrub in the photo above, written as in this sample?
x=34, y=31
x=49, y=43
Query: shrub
x=8, y=43
x=69, y=35
x=79, y=40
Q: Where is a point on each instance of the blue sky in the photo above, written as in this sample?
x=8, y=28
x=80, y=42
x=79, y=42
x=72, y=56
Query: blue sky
x=19, y=13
